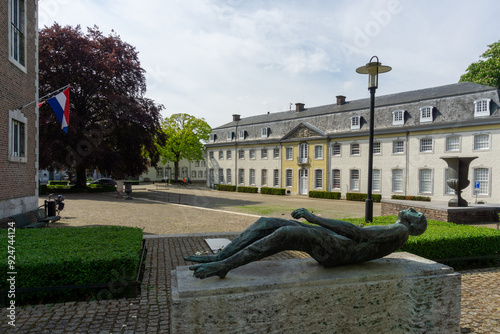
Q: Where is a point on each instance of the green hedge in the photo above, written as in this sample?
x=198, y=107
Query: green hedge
x=100, y=188
x=58, y=183
x=253, y=190
x=225, y=187
x=411, y=198
x=362, y=197
x=324, y=194
x=71, y=256
x=272, y=191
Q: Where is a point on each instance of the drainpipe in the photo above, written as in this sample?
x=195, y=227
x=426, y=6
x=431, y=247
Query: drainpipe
x=407, y=161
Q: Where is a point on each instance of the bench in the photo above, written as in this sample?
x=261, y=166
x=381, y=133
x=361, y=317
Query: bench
x=41, y=216
x=23, y=220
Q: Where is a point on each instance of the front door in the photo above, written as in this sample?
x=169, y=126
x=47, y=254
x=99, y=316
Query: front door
x=303, y=181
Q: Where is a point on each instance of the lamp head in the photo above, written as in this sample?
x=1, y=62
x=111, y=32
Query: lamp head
x=373, y=68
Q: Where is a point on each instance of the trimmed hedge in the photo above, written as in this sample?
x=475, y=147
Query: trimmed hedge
x=253, y=190
x=225, y=187
x=411, y=198
x=324, y=194
x=71, y=256
x=100, y=188
x=362, y=197
x=273, y=191
x=58, y=183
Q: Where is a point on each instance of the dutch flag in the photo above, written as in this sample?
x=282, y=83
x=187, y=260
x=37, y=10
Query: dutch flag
x=60, y=105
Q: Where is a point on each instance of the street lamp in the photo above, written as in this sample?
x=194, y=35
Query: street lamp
x=373, y=68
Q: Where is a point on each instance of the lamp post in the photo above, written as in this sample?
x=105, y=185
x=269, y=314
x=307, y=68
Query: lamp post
x=373, y=68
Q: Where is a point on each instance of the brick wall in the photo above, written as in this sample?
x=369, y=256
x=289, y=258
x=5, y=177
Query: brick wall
x=18, y=87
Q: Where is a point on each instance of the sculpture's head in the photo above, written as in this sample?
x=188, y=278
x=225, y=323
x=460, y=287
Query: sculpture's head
x=413, y=220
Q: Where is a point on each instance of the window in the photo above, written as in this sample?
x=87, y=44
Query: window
x=482, y=142
x=426, y=114
x=263, y=177
x=482, y=107
x=276, y=178
x=355, y=122
x=221, y=175
x=18, y=136
x=303, y=153
x=252, y=177
x=447, y=188
x=212, y=138
x=241, y=134
x=241, y=154
x=197, y=164
x=221, y=155
x=276, y=153
x=241, y=176
x=376, y=179
x=263, y=153
x=318, y=152
x=252, y=154
x=376, y=148
x=203, y=163
x=398, y=117
x=200, y=173
x=354, y=179
x=193, y=174
x=336, y=179
x=211, y=175
x=288, y=178
x=264, y=132
x=17, y=32
x=398, y=146
x=336, y=152
x=481, y=175
x=228, y=176
x=452, y=143
x=318, y=178
x=354, y=149
x=229, y=135
x=289, y=153
x=426, y=145
x=397, y=180
x=425, y=181
x=211, y=155
x=184, y=172
x=159, y=172
x=228, y=154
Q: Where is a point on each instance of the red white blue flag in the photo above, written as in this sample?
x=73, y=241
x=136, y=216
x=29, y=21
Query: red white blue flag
x=60, y=105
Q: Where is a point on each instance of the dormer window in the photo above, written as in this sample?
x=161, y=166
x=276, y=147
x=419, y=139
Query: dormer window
x=482, y=108
x=398, y=117
x=213, y=137
x=241, y=134
x=355, y=122
x=426, y=114
x=230, y=135
x=264, y=132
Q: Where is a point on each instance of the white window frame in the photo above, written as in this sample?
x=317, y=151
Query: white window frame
x=426, y=114
x=221, y=176
x=354, y=183
x=353, y=150
x=425, y=182
x=241, y=154
x=377, y=148
x=241, y=176
x=482, y=107
x=241, y=134
x=376, y=179
x=288, y=178
x=263, y=153
x=276, y=178
x=318, y=152
x=397, y=148
x=336, y=175
x=264, y=132
x=221, y=155
x=484, y=185
x=447, y=189
x=211, y=155
x=318, y=179
x=397, y=180
x=398, y=117
x=335, y=152
x=159, y=172
x=212, y=138
x=276, y=153
x=229, y=154
x=452, y=146
x=303, y=153
x=228, y=176
x=355, y=122
x=251, y=176
x=252, y=154
x=17, y=33
x=200, y=174
x=289, y=153
x=229, y=136
x=263, y=177
x=18, y=137
x=480, y=145
x=426, y=145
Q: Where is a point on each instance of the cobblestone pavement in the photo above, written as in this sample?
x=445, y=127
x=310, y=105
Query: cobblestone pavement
x=149, y=312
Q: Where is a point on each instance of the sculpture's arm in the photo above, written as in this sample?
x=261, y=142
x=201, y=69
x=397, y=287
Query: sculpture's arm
x=340, y=227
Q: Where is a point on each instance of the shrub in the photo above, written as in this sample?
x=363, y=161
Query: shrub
x=362, y=197
x=100, y=188
x=411, y=198
x=225, y=187
x=247, y=190
x=77, y=256
x=324, y=194
x=273, y=191
x=58, y=183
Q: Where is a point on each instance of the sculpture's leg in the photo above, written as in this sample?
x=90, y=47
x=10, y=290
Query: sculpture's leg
x=258, y=230
x=298, y=238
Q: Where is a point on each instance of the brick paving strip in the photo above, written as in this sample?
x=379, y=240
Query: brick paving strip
x=149, y=312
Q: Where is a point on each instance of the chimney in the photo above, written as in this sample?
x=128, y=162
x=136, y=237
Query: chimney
x=299, y=106
x=236, y=118
x=340, y=100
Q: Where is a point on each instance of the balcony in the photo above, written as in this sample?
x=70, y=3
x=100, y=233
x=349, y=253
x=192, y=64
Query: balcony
x=302, y=160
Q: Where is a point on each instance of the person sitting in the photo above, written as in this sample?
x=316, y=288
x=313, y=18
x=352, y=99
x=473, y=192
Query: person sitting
x=330, y=242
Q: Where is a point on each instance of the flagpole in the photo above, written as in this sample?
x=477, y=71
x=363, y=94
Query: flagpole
x=43, y=97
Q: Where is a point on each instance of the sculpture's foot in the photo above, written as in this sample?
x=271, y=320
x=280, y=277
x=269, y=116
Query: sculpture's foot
x=210, y=269
x=201, y=258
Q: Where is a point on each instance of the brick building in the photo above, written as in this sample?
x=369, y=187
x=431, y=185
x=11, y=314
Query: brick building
x=18, y=125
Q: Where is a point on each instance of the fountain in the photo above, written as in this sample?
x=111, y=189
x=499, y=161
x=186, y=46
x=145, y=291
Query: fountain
x=458, y=171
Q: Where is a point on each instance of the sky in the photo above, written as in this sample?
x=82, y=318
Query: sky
x=215, y=58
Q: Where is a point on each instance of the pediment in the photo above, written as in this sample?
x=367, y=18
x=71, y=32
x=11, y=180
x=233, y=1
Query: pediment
x=304, y=130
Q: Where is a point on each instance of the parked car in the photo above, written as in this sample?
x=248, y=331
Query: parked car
x=105, y=181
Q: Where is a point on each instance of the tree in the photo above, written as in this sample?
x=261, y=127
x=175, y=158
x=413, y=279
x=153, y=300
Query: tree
x=112, y=126
x=184, y=134
x=485, y=71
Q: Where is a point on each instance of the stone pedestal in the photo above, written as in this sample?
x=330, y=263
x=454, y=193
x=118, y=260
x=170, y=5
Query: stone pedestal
x=400, y=293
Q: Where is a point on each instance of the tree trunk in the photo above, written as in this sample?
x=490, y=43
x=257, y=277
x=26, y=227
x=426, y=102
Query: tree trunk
x=81, y=177
x=176, y=170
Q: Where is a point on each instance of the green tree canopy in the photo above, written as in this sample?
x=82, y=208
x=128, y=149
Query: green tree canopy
x=185, y=136
x=487, y=70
